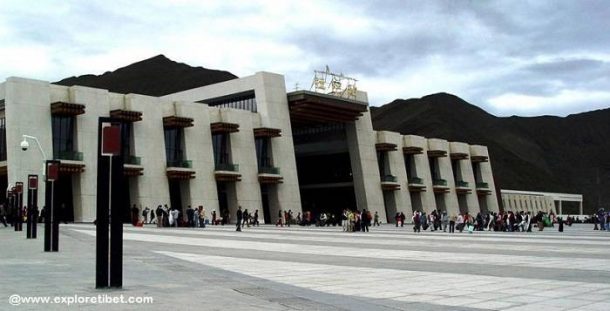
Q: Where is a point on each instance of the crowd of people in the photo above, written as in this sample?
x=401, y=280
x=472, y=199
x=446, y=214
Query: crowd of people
x=349, y=220
x=503, y=221
x=164, y=216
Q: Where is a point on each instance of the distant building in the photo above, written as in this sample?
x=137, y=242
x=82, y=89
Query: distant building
x=534, y=201
x=241, y=142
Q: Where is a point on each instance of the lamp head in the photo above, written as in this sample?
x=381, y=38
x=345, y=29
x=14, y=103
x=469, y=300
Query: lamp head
x=24, y=144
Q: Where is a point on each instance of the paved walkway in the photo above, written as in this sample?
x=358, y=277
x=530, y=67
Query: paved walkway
x=269, y=268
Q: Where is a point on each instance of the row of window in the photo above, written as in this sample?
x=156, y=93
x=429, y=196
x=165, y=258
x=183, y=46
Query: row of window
x=384, y=168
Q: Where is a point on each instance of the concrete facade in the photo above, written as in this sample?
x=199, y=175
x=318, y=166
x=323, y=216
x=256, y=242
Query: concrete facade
x=406, y=184
x=535, y=201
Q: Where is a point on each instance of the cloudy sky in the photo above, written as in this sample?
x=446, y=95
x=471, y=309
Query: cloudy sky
x=509, y=57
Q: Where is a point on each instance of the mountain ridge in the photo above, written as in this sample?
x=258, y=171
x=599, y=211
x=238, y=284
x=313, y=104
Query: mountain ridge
x=155, y=76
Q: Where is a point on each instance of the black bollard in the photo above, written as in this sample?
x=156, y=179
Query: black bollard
x=51, y=227
x=32, y=219
x=109, y=225
x=18, y=203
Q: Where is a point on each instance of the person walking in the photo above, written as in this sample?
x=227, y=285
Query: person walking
x=376, y=219
x=255, y=219
x=239, y=216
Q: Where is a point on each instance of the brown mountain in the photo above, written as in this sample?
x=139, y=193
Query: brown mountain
x=155, y=76
x=556, y=154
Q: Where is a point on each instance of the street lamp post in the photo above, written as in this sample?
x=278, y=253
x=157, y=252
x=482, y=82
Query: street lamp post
x=50, y=173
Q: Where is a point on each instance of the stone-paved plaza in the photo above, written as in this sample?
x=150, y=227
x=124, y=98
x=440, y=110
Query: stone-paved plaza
x=298, y=268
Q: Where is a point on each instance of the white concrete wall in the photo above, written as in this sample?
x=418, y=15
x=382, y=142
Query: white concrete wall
x=243, y=153
x=149, y=145
x=27, y=110
x=467, y=174
x=199, y=150
x=367, y=184
x=528, y=203
x=396, y=160
x=84, y=185
x=272, y=112
x=491, y=200
x=444, y=166
x=422, y=168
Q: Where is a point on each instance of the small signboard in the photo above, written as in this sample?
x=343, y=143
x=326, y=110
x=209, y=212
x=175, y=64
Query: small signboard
x=19, y=187
x=32, y=182
x=111, y=140
x=52, y=171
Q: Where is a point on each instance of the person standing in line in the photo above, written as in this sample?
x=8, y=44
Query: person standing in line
x=423, y=218
x=366, y=220
x=63, y=213
x=376, y=219
x=189, y=216
x=159, y=212
x=196, y=218
x=415, y=220
x=444, y=221
x=239, y=216
x=452, y=221
x=3, y=215
x=201, y=216
x=135, y=215
x=460, y=222
x=214, y=218
x=344, y=220
x=145, y=215
x=152, y=217
x=176, y=216
x=280, y=217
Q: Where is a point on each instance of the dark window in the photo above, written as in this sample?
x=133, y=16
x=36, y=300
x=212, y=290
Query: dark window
x=244, y=101
x=434, y=169
x=126, y=137
x=476, y=167
x=2, y=139
x=457, y=172
x=63, y=135
x=263, y=152
x=220, y=144
x=321, y=169
x=410, y=166
x=382, y=159
x=173, y=145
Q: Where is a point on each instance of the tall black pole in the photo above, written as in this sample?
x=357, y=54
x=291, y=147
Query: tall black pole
x=51, y=227
x=19, y=205
x=109, y=240
x=32, y=206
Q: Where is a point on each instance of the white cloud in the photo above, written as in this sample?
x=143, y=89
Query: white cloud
x=400, y=49
x=565, y=100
